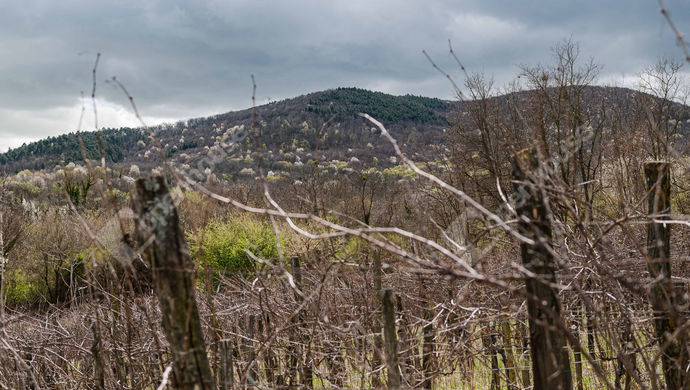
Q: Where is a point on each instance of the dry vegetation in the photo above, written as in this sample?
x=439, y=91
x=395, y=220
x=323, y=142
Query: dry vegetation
x=536, y=252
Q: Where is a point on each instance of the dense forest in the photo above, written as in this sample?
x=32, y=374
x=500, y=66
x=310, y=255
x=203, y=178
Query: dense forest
x=347, y=103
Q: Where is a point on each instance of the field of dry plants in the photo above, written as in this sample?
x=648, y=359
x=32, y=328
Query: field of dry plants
x=547, y=248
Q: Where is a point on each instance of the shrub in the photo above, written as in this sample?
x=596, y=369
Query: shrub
x=225, y=242
x=188, y=145
x=47, y=264
x=25, y=190
x=20, y=291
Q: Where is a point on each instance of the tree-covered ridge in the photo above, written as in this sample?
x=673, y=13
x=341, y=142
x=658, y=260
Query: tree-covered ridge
x=288, y=123
x=346, y=103
x=65, y=148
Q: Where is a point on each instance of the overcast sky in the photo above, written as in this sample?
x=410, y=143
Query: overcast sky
x=183, y=59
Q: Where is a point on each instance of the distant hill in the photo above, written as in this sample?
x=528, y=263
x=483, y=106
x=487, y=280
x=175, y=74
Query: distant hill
x=323, y=124
x=288, y=123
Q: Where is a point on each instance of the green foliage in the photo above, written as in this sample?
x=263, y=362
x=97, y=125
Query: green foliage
x=51, y=282
x=391, y=109
x=171, y=152
x=65, y=148
x=78, y=191
x=351, y=247
x=399, y=172
x=47, y=264
x=121, y=197
x=68, y=277
x=225, y=242
x=20, y=290
x=25, y=190
x=188, y=145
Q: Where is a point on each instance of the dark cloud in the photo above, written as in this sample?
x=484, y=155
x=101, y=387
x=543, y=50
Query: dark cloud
x=192, y=58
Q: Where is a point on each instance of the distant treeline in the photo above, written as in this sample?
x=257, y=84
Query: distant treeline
x=348, y=102
x=65, y=148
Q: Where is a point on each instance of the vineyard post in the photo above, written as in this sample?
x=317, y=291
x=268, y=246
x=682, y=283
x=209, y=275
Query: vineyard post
x=674, y=357
x=226, y=374
x=376, y=324
x=160, y=236
x=390, y=340
x=550, y=360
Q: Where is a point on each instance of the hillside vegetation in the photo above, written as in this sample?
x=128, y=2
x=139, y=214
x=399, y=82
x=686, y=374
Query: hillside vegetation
x=289, y=121
x=532, y=240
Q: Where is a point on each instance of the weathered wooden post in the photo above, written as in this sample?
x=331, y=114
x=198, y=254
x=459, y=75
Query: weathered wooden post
x=664, y=301
x=524, y=370
x=161, y=238
x=550, y=360
x=428, y=338
x=490, y=351
x=305, y=361
x=391, y=340
x=292, y=360
x=510, y=365
x=405, y=357
x=376, y=381
x=226, y=376
x=270, y=365
x=253, y=374
x=576, y=325
x=98, y=366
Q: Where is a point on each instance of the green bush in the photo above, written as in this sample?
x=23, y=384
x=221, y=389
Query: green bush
x=225, y=242
x=20, y=291
x=47, y=265
x=25, y=190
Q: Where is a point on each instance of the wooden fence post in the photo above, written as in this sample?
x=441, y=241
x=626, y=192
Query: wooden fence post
x=576, y=325
x=490, y=352
x=253, y=374
x=226, y=375
x=664, y=301
x=376, y=381
x=305, y=360
x=160, y=236
x=524, y=370
x=293, y=350
x=510, y=365
x=98, y=366
x=391, y=340
x=428, y=333
x=550, y=360
x=405, y=356
x=271, y=364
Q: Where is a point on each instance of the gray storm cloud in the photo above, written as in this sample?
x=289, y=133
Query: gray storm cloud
x=191, y=58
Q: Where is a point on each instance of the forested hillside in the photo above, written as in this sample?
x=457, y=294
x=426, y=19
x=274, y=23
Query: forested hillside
x=298, y=121
x=50, y=151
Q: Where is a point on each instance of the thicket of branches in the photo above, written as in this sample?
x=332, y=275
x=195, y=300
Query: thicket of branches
x=546, y=250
